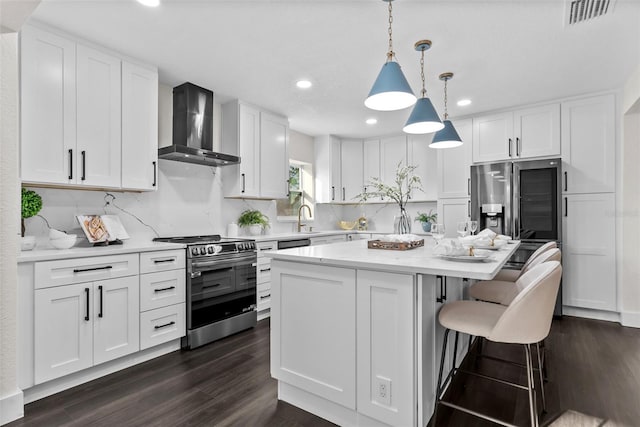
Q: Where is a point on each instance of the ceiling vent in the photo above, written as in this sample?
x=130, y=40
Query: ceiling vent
x=586, y=10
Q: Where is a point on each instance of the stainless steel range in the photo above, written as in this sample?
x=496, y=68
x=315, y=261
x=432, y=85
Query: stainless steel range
x=221, y=287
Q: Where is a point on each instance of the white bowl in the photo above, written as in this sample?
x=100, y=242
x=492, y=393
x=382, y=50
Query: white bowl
x=27, y=243
x=64, y=242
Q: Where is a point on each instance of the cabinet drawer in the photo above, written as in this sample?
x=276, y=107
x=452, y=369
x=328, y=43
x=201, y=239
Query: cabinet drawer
x=162, y=325
x=264, y=270
x=79, y=270
x=264, y=298
x=151, y=262
x=162, y=289
x=266, y=246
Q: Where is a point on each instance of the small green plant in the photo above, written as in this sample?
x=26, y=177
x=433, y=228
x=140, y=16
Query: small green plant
x=31, y=205
x=253, y=217
x=430, y=217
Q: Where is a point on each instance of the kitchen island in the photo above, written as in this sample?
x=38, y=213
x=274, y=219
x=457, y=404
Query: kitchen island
x=354, y=331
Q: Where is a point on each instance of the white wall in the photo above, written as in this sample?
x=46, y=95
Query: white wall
x=300, y=147
x=11, y=400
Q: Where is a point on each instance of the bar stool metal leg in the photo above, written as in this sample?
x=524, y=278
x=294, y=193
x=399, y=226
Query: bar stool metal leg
x=544, y=400
x=444, y=353
x=530, y=386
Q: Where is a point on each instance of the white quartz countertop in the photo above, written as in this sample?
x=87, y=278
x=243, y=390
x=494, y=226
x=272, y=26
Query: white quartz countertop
x=320, y=233
x=48, y=253
x=420, y=260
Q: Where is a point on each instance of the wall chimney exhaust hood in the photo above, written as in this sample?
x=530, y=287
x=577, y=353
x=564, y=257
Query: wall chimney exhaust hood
x=192, y=129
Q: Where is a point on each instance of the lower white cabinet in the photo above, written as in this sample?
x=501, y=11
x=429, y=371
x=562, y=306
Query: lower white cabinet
x=161, y=325
x=588, y=251
x=358, y=236
x=80, y=325
x=263, y=278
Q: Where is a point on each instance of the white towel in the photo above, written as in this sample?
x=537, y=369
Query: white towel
x=450, y=247
x=406, y=238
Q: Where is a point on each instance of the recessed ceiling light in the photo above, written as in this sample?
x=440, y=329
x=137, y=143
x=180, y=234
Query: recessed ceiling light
x=464, y=102
x=303, y=84
x=150, y=3
x=371, y=121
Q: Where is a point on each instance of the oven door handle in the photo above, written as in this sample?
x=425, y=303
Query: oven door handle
x=198, y=273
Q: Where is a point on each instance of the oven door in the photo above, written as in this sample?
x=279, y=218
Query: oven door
x=219, y=289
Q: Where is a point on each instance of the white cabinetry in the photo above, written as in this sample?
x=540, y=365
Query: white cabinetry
x=450, y=212
x=327, y=168
x=358, y=236
x=139, y=127
x=351, y=170
x=393, y=150
x=263, y=278
x=89, y=318
x=425, y=159
x=588, y=251
x=454, y=165
x=385, y=347
x=371, y=164
x=327, y=240
x=261, y=140
x=73, y=129
x=588, y=144
x=525, y=133
x=162, y=297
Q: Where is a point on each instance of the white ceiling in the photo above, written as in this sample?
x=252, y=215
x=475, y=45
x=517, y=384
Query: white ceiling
x=503, y=52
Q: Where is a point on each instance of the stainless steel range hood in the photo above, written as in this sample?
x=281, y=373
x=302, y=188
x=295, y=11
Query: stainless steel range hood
x=192, y=129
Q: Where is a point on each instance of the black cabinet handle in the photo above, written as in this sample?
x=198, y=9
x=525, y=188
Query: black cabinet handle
x=211, y=286
x=468, y=186
x=343, y=194
x=468, y=207
x=155, y=174
x=100, y=290
x=265, y=296
x=165, y=325
x=443, y=294
x=84, y=165
x=70, y=163
x=82, y=270
x=265, y=269
x=159, y=261
x=164, y=289
x=243, y=183
x=86, y=292
x=509, y=147
x=518, y=147
x=566, y=207
x=287, y=192
x=333, y=192
x=565, y=181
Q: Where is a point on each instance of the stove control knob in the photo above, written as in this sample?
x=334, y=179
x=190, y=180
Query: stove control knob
x=194, y=251
x=210, y=249
x=203, y=251
x=240, y=246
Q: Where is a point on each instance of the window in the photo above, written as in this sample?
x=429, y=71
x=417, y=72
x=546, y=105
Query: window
x=300, y=191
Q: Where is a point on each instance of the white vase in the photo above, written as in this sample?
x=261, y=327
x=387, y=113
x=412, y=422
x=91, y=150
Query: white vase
x=255, y=229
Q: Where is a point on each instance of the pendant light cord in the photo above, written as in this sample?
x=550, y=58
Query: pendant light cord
x=391, y=53
x=446, y=113
x=424, y=90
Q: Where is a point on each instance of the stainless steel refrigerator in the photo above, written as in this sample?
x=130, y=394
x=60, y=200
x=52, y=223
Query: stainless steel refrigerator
x=522, y=200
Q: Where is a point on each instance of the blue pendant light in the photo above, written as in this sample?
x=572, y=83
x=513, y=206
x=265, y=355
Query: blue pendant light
x=390, y=91
x=447, y=137
x=423, y=118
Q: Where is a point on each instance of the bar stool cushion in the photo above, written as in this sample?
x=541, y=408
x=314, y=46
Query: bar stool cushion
x=471, y=317
x=506, y=275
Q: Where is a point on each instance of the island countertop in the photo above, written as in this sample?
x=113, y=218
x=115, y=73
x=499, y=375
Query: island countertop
x=421, y=260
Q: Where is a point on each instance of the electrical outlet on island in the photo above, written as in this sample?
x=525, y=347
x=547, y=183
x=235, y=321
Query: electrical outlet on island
x=383, y=390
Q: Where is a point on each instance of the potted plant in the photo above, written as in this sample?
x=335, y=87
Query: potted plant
x=427, y=219
x=31, y=205
x=255, y=220
x=400, y=192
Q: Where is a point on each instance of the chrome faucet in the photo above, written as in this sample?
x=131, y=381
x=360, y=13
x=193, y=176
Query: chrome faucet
x=299, y=215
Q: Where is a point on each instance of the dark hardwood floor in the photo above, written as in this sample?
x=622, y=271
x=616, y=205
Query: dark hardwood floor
x=594, y=368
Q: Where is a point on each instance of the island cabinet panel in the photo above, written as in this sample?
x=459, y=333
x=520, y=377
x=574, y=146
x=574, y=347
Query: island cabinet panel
x=316, y=356
x=385, y=315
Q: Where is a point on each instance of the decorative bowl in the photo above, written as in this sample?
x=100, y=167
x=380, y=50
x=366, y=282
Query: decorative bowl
x=347, y=225
x=65, y=242
x=27, y=243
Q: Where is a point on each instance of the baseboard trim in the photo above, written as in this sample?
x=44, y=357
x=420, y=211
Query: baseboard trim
x=587, y=313
x=11, y=407
x=630, y=319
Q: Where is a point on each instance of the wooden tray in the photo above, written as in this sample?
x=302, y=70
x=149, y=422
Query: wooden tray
x=395, y=246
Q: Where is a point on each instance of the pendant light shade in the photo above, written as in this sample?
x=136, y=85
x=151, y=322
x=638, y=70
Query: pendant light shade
x=390, y=91
x=423, y=118
x=447, y=137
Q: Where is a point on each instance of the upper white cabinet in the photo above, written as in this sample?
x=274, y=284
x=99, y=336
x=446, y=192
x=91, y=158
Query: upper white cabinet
x=454, y=165
x=588, y=144
x=425, y=159
x=261, y=140
x=525, y=133
x=77, y=115
x=393, y=151
x=327, y=169
x=139, y=127
x=351, y=170
x=371, y=163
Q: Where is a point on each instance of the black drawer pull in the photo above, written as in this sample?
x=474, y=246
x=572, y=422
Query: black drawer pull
x=164, y=289
x=265, y=296
x=165, y=325
x=158, y=261
x=565, y=181
x=82, y=270
x=443, y=289
x=86, y=291
x=243, y=184
x=264, y=269
x=211, y=286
